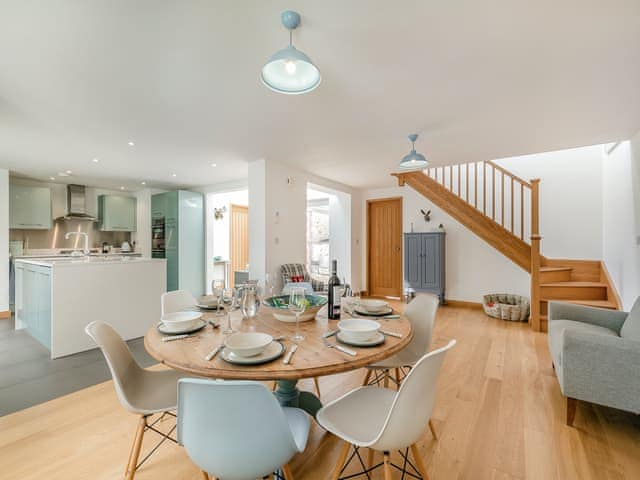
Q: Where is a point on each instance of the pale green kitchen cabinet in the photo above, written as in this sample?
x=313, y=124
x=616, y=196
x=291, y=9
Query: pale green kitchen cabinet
x=30, y=207
x=117, y=213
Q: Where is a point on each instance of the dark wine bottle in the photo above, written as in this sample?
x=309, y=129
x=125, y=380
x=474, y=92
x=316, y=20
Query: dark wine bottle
x=334, y=292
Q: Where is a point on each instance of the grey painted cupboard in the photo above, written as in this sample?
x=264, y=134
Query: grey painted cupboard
x=424, y=262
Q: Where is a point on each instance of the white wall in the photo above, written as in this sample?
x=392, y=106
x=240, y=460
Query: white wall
x=282, y=218
x=621, y=218
x=4, y=240
x=570, y=199
x=473, y=268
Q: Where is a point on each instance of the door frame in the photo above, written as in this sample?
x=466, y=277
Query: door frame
x=368, y=249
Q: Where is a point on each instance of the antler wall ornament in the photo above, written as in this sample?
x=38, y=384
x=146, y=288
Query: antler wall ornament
x=426, y=215
x=218, y=213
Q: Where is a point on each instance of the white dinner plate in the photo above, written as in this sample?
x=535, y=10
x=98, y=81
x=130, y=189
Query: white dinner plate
x=191, y=328
x=381, y=313
x=273, y=351
x=377, y=339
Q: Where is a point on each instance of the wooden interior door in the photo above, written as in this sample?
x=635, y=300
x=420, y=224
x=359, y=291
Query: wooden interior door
x=238, y=239
x=384, y=247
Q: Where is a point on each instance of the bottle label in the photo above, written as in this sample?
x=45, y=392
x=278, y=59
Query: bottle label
x=336, y=297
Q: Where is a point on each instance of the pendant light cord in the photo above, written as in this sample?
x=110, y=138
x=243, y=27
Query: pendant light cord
x=290, y=38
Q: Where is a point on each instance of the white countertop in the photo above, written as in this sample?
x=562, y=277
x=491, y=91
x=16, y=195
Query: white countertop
x=84, y=261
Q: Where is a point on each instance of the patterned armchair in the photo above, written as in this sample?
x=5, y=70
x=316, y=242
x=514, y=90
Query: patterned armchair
x=293, y=271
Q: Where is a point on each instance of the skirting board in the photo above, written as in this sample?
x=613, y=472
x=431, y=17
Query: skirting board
x=462, y=304
x=6, y=314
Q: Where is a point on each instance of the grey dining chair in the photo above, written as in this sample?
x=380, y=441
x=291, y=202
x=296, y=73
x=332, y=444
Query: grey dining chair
x=421, y=313
x=140, y=391
x=177, y=301
x=384, y=420
x=237, y=430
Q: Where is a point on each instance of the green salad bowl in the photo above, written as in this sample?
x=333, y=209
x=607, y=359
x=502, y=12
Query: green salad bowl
x=279, y=306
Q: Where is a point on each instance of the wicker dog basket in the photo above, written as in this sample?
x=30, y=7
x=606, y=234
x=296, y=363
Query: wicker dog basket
x=506, y=306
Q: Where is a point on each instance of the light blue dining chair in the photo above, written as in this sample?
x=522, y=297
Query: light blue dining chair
x=237, y=430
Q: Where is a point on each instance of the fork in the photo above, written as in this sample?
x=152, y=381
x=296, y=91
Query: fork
x=348, y=351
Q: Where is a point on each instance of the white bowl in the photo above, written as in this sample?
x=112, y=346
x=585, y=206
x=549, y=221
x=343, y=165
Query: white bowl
x=248, y=344
x=358, y=329
x=372, y=305
x=181, y=321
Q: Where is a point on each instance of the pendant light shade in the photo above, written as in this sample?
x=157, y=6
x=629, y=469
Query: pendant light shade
x=289, y=70
x=413, y=160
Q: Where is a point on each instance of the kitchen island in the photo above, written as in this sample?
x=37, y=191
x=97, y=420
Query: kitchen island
x=56, y=298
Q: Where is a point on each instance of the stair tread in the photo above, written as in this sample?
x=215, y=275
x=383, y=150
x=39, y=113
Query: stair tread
x=573, y=284
x=556, y=269
x=588, y=303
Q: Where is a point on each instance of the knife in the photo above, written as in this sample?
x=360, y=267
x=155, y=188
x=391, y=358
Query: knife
x=330, y=333
x=292, y=350
x=177, y=337
x=213, y=352
x=390, y=334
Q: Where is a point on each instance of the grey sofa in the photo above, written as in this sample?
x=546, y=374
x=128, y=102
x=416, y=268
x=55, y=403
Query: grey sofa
x=596, y=355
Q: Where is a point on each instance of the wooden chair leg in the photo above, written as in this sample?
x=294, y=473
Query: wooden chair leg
x=317, y=384
x=341, y=459
x=273, y=387
x=386, y=379
x=287, y=472
x=433, y=430
x=419, y=461
x=572, y=405
x=135, y=449
x=370, y=458
x=397, y=374
x=367, y=377
x=387, y=466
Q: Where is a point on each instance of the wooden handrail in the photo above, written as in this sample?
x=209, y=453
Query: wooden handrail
x=508, y=173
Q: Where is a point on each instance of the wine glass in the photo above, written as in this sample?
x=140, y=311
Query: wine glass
x=268, y=285
x=228, y=294
x=219, y=294
x=297, y=305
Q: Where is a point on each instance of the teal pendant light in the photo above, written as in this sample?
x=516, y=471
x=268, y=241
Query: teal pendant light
x=289, y=70
x=413, y=160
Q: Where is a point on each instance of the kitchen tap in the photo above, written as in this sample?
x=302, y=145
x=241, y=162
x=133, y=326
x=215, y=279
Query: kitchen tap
x=85, y=250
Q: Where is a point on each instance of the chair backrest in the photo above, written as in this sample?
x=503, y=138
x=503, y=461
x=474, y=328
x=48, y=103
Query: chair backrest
x=412, y=407
x=631, y=326
x=421, y=312
x=119, y=359
x=177, y=301
x=233, y=429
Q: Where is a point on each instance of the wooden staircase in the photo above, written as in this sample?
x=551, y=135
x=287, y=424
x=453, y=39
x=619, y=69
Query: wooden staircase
x=503, y=210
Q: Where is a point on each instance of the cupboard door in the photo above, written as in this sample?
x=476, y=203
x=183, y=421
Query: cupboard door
x=117, y=213
x=429, y=262
x=412, y=260
x=30, y=207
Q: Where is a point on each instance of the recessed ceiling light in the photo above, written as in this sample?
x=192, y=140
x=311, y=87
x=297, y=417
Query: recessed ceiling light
x=52, y=178
x=62, y=174
x=121, y=188
x=95, y=160
x=130, y=143
x=68, y=172
x=214, y=164
x=174, y=174
x=143, y=183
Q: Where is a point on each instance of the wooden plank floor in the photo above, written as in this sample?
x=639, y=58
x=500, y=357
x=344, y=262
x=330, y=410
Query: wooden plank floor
x=499, y=414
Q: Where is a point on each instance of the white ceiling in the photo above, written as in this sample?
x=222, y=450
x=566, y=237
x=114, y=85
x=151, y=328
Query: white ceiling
x=477, y=80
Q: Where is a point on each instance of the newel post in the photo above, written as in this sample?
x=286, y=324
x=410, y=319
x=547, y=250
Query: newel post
x=535, y=255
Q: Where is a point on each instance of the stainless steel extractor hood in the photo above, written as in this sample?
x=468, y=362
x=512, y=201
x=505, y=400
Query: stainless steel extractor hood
x=77, y=204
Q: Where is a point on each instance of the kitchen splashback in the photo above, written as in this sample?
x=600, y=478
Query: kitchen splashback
x=54, y=238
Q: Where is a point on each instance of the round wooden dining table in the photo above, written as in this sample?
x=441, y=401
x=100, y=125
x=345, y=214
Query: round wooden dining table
x=313, y=357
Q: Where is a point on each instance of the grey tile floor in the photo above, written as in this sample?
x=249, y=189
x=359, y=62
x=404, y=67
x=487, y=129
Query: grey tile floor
x=29, y=377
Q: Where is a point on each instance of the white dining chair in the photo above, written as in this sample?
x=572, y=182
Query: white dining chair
x=140, y=391
x=177, y=301
x=421, y=313
x=237, y=430
x=384, y=420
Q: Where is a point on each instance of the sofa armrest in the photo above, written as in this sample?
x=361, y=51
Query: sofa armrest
x=603, y=317
x=603, y=369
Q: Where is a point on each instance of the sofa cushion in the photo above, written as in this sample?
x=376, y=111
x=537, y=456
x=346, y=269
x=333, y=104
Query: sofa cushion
x=556, y=327
x=631, y=327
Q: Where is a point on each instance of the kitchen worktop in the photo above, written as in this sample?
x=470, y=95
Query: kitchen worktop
x=90, y=260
